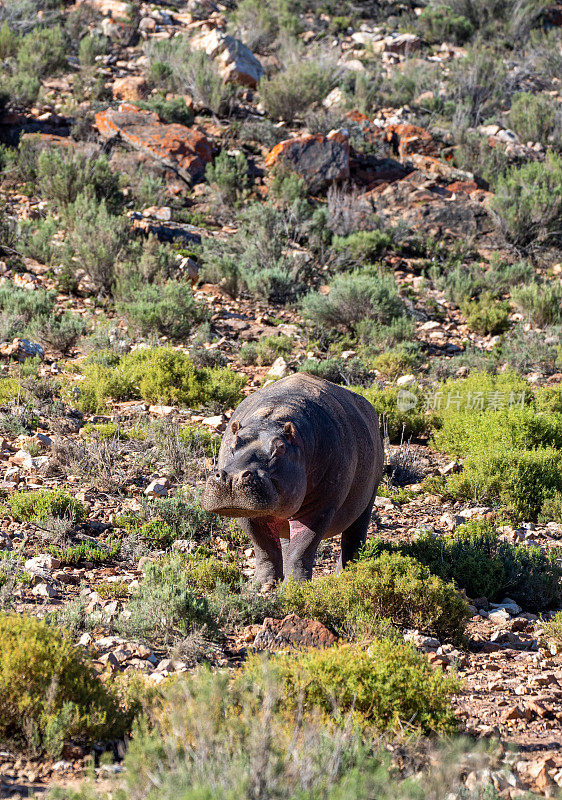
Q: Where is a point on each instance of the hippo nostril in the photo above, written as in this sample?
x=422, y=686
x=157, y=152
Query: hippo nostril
x=245, y=474
x=220, y=476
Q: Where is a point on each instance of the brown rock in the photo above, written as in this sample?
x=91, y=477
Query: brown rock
x=292, y=631
x=319, y=159
x=511, y=713
x=131, y=87
x=181, y=149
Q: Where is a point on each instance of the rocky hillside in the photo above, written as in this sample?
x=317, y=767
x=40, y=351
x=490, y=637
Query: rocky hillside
x=201, y=197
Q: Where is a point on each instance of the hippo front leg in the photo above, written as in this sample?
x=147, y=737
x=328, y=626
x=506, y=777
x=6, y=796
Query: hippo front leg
x=306, y=534
x=263, y=532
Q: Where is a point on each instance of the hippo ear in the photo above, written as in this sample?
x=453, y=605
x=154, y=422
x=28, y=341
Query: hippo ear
x=289, y=430
x=235, y=426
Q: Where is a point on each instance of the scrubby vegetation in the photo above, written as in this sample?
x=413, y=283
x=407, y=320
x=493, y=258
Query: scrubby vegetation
x=369, y=193
x=48, y=691
x=392, y=586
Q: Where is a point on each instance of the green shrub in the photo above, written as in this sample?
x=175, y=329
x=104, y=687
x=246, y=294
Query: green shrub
x=36, y=238
x=116, y=590
x=165, y=310
x=96, y=239
x=385, y=685
x=156, y=375
x=532, y=116
x=9, y=390
x=520, y=428
x=71, y=556
x=25, y=304
x=528, y=201
x=259, y=24
x=63, y=176
x=157, y=533
x=483, y=564
x=394, y=363
x=402, y=421
x=353, y=297
x=175, y=65
x=391, y=586
x=60, y=331
x=256, y=258
x=292, y=91
x=228, y=177
x=551, y=509
x=165, y=605
x=520, y=480
x=49, y=694
x=203, y=574
x=552, y=633
x=38, y=504
x=200, y=439
x=91, y=46
x=266, y=350
x=439, y=23
x=42, y=52
x=541, y=303
x=364, y=247
x=173, y=110
x=487, y=315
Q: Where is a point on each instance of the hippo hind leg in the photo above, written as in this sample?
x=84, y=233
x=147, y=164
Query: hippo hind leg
x=267, y=548
x=354, y=537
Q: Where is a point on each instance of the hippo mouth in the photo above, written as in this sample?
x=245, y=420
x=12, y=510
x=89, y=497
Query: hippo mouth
x=237, y=504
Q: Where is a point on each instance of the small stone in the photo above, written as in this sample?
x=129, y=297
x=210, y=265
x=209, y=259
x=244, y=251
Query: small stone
x=278, y=369
x=158, y=488
x=511, y=713
x=44, y=590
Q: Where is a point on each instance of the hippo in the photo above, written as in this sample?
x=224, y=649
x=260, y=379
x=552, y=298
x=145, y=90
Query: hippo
x=300, y=461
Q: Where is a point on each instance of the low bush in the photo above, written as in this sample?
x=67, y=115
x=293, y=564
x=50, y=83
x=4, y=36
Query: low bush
x=551, y=509
x=528, y=202
x=439, y=23
x=266, y=350
x=524, y=428
x=541, y=303
x=259, y=258
x=533, y=117
x=352, y=298
x=402, y=411
x=552, y=633
x=484, y=565
x=49, y=694
x=38, y=504
x=60, y=331
x=393, y=363
x=165, y=310
x=486, y=315
x=385, y=685
x=174, y=65
x=24, y=304
x=165, y=606
x=391, y=586
x=95, y=554
x=519, y=480
x=363, y=247
x=337, y=370
x=63, y=176
x=204, y=573
x=292, y=91
x=228, y=177
x=156, y=375
x=173, y=110
x=96, y=240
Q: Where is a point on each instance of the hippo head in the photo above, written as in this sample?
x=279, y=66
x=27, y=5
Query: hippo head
x=260, y=472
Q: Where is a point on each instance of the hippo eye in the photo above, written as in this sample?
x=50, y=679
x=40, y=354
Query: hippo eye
x=278, y=447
